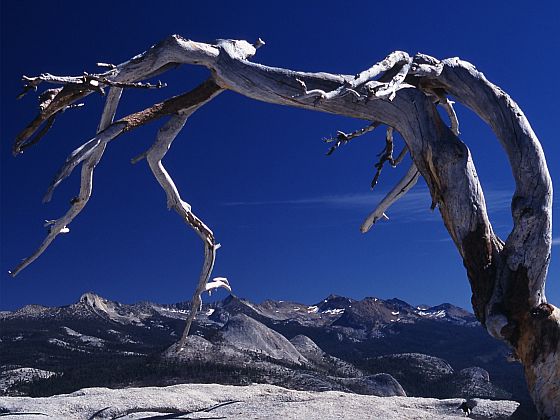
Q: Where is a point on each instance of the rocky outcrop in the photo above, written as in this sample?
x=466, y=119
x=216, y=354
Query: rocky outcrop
x=426, y=368
x=248, y=334
x=254, y=402
x=381, y=384
x=475, y=382
x=423, y=375
x=323, y=361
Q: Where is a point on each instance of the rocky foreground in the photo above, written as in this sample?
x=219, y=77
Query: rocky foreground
x=203, y=401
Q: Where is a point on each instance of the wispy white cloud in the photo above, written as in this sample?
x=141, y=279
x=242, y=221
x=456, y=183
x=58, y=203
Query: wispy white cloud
x=556, y=241
x=417, y=198
x=415, y=205
x=348, y=201
x=342, y=200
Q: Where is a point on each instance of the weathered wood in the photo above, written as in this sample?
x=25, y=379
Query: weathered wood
x=398, y=191
x=507, y=278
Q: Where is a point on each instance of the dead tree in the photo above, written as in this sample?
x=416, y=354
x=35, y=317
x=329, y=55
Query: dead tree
x=507, y=278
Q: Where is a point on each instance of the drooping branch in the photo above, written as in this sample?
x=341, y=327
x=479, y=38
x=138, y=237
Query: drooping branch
x=441, y=99
x=54, y=101
x=50, y=108
x=400, y=157
x=447, y=105
x=154, y=156
x=60, y=225
x=398, y=191
x=181, y=107
x=90, y=153
x=402, y=187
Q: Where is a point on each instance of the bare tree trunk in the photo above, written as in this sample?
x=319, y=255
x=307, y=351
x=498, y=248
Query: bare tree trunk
x=507, y=278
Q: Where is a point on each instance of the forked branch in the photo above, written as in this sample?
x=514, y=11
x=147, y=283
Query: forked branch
x=90, y=153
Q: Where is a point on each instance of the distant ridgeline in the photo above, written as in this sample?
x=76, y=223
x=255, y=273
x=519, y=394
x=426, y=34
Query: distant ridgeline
x=372, y=346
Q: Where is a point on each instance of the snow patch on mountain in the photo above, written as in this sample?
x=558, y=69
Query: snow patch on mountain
x=171, y=312
x=92, y=341
x=333, y=311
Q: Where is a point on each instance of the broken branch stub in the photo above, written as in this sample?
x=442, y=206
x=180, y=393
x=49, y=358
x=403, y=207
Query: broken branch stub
x=507, y=278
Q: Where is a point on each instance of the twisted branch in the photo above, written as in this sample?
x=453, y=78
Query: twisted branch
x=343, y=138
x=398, y=60
x=90, y=153
x=386, y=156
x=88, y=81
x=154, y=156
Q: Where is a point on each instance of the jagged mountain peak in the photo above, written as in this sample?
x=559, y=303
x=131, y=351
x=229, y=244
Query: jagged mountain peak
x=333, y=296
x=337, y=299
x=96, y=302
x=115, y=311
x=332, y=305
x=235, y=303
x=367, y=313
x=90, y=297
x=398, y=303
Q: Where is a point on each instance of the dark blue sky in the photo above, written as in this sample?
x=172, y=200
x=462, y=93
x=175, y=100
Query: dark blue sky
x=286, y=215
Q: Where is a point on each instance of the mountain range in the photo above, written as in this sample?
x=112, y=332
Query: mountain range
x=369, y=346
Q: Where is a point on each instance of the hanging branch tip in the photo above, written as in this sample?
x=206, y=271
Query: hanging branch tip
x=106, y=65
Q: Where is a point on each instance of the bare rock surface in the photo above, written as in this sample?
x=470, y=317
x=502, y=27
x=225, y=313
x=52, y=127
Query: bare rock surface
x=381, y=384
x=246, y=333
x=248, y=402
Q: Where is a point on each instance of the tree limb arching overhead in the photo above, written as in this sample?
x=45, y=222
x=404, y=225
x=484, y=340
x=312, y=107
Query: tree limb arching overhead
x=507, y=278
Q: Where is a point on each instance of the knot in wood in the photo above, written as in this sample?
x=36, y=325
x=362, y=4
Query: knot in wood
x=543, y=311
x=237, y=49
